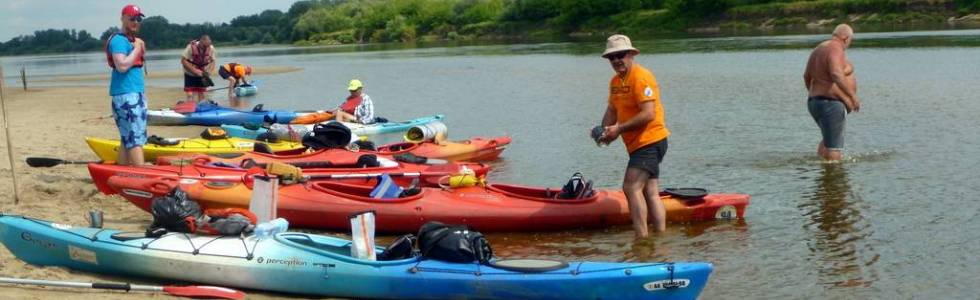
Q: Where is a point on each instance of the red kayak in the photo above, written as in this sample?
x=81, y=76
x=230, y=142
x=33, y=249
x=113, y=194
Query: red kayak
x=496, y=207
x=335, y=163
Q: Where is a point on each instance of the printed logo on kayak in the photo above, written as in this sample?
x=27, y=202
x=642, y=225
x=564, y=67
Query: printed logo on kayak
x=666, y=284
x=290, y=262
x=26, y=236
x=82, y=255
x=188, y=181
x=244, y=145
x=137, y=193
x=726, y=212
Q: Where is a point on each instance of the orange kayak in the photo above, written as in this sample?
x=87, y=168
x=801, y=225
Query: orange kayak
x=496, y=207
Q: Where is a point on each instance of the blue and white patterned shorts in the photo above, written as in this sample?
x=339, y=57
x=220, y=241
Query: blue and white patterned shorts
x=129, y=111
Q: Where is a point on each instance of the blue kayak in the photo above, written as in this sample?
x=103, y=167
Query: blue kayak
x=213, y=115
x=301, y=263
x=296, y=132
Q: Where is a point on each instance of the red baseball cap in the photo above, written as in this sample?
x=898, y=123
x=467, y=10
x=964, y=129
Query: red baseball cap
x=132, y=10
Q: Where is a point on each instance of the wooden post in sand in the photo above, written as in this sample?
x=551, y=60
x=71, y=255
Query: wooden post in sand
x=10, y=148
x=23, y=77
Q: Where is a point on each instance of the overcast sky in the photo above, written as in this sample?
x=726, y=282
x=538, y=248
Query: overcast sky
x=21, y=17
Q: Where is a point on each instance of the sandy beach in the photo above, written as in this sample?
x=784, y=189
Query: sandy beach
x=50, y=122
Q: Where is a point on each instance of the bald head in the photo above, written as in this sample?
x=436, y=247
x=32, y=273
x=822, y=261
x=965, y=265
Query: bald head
x=845, y=33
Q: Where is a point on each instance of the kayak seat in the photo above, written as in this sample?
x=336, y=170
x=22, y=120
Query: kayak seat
x=257, y=108
x=262, y=148
x=401, y=248
x=156, y=140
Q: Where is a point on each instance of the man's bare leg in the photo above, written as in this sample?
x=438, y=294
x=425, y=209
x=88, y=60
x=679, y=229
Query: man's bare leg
x=658, y=214
x=633, y=184
x=135, y=155
x=342, y=116
x=123, y=159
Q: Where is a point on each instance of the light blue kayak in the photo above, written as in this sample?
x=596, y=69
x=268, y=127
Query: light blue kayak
x=296, y=132
x=246, y=90
x=309, y=264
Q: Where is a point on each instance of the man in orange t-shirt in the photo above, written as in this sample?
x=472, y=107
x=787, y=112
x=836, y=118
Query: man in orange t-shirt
x=635, y=113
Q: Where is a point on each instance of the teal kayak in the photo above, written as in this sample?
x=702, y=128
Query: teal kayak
x=309, y=264
x=296, y=132
x=246, y=90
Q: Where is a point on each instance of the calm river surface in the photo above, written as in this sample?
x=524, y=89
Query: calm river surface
x=897, y=219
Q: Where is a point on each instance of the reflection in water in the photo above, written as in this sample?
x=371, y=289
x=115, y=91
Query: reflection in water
x=839, y=252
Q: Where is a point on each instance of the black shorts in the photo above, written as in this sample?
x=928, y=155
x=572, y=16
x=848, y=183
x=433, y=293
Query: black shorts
x=194, y=83
x=223, y=73
x=648, y=158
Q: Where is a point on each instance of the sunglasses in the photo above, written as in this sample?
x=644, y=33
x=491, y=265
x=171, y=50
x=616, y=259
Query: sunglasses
x=617, y=56
x=136, y=19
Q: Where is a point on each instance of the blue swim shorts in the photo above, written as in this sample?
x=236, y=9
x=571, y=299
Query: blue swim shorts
x=829, y=114
x=129, y=111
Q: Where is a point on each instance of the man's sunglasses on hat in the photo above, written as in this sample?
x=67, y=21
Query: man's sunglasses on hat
x=137, y=19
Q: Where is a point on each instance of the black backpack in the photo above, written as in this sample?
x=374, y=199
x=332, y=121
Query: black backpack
x=576, y=188
x=453, y=243
x=329, y=135
x=401, y=248
x=175, y=212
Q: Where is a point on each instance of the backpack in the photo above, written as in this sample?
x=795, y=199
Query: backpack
x=175, y=212
x=329, y=135
x=576, y=188
x=401, y=248
x=453, y=243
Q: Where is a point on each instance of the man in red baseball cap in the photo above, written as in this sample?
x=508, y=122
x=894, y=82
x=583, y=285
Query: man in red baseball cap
x=124, y=53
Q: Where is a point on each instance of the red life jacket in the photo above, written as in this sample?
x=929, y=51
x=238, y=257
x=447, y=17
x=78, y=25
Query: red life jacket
x=200, y=56
x=351, y=104
x=108, y=56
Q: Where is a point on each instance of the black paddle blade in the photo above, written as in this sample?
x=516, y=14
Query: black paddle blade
x=43, y=162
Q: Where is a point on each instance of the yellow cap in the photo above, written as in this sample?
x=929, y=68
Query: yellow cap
x=354, y=85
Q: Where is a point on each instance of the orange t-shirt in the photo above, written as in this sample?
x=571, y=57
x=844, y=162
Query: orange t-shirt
x=625, y=96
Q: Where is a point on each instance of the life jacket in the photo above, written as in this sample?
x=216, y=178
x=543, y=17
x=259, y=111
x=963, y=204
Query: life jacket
x=108, y=56
x=351, y=104
x=230, y=67
x=200, y=56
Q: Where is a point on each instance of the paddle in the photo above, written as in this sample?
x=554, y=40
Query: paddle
x=369, y=175
x=199, y=291
x=254, y=82
x=47, y=162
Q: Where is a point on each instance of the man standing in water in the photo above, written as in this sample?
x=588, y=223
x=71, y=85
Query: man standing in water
x=832, y=90
x=124, y=53
x=634, y=112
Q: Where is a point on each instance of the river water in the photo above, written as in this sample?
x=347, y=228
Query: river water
x=897, y=219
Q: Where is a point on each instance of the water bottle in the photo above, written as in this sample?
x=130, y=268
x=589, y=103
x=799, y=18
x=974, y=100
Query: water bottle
x=271, y=228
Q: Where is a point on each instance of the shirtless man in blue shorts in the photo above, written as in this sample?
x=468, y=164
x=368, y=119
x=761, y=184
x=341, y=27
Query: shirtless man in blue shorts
x=832, y=90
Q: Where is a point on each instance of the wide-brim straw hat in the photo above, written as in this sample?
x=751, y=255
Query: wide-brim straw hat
x=618, y=43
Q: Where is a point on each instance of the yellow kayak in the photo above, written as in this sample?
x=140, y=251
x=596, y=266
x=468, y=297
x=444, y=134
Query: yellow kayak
x=108, y=150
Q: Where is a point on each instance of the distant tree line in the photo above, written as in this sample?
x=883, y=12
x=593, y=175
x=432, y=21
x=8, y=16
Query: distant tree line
x=359, y=21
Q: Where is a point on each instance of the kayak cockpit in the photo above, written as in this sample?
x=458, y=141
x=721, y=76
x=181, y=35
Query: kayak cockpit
x=332, y=247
